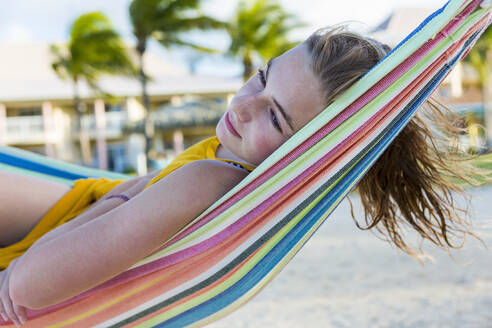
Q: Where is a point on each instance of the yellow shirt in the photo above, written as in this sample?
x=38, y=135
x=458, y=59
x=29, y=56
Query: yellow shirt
x=87, y=191
x=205, y=149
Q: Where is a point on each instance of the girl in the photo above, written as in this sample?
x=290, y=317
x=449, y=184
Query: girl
x=270, y=107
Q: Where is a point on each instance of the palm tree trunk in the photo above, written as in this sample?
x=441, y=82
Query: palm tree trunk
x=486, y=93
x=487, y=111
x=84, y=142
x=248, y=67
x=148, y=122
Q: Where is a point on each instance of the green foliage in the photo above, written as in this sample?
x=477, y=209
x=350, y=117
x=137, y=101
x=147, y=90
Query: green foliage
x=483, y=164
x=166, y=20
x=130, y=170
x=480, y=56
x=260, y=28
x=95, y=48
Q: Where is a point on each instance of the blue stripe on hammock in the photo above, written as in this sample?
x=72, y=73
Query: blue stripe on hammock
x=38, y=167
x=279, y=251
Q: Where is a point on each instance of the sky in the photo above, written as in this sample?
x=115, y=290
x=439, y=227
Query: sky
x=49, y=21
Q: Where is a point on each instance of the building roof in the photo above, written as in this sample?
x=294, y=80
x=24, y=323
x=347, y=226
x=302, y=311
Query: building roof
x=399, y=24
x=26, y=75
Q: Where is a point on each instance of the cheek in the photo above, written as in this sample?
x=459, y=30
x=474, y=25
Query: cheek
x=264, y=145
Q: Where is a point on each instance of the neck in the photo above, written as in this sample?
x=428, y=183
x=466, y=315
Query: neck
x=224, y=153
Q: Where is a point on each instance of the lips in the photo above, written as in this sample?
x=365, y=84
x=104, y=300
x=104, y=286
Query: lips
x=230, y=127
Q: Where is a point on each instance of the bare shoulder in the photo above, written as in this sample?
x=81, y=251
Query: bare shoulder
x=216, y=170
x=209, y=166
x=192, y=188
x=203, y=181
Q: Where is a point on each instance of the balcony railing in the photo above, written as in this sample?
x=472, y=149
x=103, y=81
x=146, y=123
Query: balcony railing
x=30, y=129
x=114, y=124
x=25, y=129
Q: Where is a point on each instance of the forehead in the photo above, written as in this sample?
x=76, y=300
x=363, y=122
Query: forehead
x=293, y=84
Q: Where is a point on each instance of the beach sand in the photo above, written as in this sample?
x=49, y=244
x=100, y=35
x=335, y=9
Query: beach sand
x=345, y=277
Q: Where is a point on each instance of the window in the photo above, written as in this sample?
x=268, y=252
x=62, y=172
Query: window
x=116, y=157
x=113, y=107
x=29, y=111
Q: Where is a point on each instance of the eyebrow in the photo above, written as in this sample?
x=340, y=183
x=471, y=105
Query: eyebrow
x=286, y=116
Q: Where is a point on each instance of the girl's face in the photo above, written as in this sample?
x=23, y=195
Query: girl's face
x=271, y=107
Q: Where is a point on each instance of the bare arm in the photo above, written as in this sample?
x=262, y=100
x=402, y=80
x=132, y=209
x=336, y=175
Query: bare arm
x=148, y=220
x=130, y=188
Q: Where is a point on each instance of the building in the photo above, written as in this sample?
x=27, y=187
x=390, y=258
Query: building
x=179, y=126
x=37, y=111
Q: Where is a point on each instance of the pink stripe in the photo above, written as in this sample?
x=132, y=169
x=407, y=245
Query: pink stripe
x=247, y=218
x=325, y=160
x=213, y=241
x=252, y=214
x=330, y=126
x=175, y=258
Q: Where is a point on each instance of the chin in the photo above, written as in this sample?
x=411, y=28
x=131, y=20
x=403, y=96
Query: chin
x=222, y=135
x=219, y=131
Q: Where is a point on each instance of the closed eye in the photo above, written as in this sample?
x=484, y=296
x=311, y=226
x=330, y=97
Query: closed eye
x=275, y=122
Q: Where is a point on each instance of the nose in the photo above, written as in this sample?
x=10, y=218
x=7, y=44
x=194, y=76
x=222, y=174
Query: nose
x=246, y=106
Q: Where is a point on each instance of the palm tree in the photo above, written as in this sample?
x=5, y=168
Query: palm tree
x=94, y=49
x=260, y=29
x=480, y=58
x=165, y=21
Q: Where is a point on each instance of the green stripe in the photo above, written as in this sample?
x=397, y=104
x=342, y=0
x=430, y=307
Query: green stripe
x=61, y=165
x=334, y=138
x=360, y=87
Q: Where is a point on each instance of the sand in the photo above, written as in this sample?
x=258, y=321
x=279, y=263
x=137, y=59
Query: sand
x=344, y=277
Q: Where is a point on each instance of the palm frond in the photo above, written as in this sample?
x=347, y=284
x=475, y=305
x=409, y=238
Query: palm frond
x=95, y=48
x=193, y=23
x=478, y=56
x=142, y=16
x=170, y=41
x=165, y=20
x=89, y=23
x=175, y=7
x=261, y=27
x=62, y=64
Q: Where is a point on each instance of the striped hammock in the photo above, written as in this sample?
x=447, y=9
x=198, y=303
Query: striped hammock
x=232, y=250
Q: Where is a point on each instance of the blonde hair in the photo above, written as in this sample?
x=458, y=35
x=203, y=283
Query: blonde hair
x=410, y=184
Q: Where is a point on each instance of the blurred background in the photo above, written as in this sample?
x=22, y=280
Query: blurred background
x=126, y=85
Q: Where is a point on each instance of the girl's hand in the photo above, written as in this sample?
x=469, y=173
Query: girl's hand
x=8, y=309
